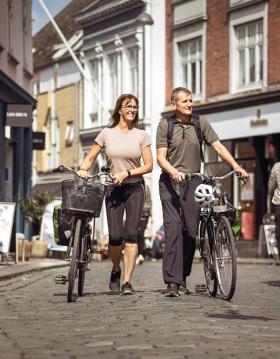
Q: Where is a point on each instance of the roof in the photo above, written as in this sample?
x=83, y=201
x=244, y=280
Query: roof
x=45, y=40
x=100, y=10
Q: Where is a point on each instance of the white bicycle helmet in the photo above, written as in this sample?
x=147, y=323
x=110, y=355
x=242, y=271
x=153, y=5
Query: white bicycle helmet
x=204, y=194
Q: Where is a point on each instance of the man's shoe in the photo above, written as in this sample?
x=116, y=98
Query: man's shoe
x=172, y=290
x=127, y=289
x=184, y=289
x=115, y=282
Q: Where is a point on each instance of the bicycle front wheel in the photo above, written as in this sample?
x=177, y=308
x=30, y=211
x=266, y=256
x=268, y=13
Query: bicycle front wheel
x=72, y=273
x=225, y=258
x=82, y=266
x=207, y=240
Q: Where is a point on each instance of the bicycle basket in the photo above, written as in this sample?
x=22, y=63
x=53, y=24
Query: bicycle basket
x=79, y=197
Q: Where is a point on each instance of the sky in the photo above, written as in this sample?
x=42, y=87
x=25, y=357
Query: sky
x=39, y=16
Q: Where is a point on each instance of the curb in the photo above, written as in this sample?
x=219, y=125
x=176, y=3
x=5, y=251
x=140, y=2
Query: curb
x=30, y=270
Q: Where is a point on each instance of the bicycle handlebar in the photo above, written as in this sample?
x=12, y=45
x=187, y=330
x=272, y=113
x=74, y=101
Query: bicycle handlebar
x=194, y=175
x=104, y=171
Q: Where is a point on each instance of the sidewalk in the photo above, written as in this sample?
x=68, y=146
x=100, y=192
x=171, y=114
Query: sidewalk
x=11, y=270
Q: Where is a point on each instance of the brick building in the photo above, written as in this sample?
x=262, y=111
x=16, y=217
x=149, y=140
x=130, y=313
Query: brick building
x=227, y=53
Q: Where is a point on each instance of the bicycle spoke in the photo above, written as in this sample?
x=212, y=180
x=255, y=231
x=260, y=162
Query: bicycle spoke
x=225, y=258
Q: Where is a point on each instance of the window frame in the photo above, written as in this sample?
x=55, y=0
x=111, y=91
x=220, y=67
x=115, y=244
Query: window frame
x=187, y=35
x=245, y=17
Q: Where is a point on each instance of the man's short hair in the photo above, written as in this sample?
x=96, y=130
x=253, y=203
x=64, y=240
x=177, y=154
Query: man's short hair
x=175, y=93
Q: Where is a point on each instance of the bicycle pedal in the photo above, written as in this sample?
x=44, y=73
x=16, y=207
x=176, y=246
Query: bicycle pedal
x=61, y=279
x=199, y=288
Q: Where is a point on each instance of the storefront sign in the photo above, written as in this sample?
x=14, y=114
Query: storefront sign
x=255, y=122
x=7, y=211
x=38, y=140
x=19, y=115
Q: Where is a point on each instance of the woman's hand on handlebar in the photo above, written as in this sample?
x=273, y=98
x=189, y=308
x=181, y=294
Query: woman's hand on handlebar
x=83, y=174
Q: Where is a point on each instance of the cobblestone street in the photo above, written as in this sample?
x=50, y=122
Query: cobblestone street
x=36, y=321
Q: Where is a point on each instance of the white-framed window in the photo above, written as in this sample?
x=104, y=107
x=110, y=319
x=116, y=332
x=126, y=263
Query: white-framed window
x=113, y=71
x=134, y=71
x=248, y=47
x=69, y=134
x=249, y=54
x=190, y=53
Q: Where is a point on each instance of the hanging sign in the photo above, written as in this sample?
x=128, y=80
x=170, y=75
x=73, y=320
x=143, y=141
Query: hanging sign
x=19, y=115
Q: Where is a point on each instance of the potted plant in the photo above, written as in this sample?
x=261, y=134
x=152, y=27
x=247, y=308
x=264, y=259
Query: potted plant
x=33, y=209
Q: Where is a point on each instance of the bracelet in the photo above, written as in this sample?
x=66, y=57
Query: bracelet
x=129, y=173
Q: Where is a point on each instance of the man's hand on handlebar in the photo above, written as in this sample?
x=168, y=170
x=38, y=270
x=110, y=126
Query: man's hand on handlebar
x=178, y=176
x=243, y=173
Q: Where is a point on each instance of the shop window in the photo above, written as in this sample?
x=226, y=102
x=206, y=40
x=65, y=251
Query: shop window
x=244, y=150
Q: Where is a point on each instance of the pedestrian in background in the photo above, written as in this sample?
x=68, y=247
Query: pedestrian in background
x=124, y=146
x=274, y=190
x=176, y=157
x=143, y=225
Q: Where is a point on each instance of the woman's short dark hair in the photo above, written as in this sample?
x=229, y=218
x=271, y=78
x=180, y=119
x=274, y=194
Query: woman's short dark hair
x=123, y=100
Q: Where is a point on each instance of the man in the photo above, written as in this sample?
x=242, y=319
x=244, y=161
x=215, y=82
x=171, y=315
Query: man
x=274, y=190
x=177, y=157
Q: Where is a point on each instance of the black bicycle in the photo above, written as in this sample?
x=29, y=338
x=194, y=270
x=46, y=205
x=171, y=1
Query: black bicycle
x=82, y=202
x=216, y=237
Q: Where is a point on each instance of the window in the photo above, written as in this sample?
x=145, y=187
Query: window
x=69, y=134
x=249, y=54
x=113, y=68
x=190, y=53
x=95, y=82
x=133, y=63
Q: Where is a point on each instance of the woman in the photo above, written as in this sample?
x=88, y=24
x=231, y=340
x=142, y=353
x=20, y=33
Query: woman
x=124, y=146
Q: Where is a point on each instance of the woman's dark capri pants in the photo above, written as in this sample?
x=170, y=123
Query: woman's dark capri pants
x=181, y=220
x=128, y=197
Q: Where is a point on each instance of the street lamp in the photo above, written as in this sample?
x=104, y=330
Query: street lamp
x=142, y=20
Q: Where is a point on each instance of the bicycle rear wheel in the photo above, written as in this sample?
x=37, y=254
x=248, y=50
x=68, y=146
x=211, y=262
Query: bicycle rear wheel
x=207, y=239
x=225, y=258
x=72, y=273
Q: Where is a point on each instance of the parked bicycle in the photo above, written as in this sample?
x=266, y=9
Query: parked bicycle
x=82, y=201
x=216, y=238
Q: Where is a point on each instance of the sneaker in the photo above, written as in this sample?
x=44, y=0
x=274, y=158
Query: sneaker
x=140, y=259
x=115, y=282
x=184, y=289
x=172, y=290
x=127, y=289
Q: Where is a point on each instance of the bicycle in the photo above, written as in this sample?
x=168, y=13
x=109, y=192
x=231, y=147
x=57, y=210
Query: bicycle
x=82, y=200
x=216, y=238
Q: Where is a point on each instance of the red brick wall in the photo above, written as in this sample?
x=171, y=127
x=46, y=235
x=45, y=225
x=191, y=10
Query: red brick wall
x=169, y=50
x=217, y=48
x=273, y=42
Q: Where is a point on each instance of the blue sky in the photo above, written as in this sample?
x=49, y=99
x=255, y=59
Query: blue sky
x=39, y=16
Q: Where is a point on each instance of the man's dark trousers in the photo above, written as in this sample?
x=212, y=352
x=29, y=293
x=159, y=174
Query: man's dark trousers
x=181, y=220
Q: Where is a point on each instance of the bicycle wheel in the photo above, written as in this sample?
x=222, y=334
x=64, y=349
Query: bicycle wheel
x=72, y=273
x=82, y=266
x=207, y=238
x=225, y=258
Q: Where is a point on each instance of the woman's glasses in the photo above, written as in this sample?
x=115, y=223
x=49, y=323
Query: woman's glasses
x=130, y=108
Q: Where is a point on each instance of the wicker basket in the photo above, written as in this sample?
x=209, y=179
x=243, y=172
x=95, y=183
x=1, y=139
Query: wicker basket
x=82, y=198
